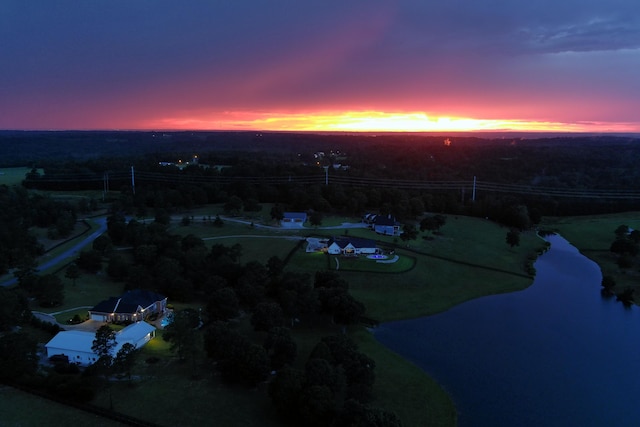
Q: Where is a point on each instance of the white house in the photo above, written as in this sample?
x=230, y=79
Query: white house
x=351, y=246
x=76, y=345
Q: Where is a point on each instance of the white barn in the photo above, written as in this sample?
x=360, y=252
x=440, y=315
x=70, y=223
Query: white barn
x=76, y=345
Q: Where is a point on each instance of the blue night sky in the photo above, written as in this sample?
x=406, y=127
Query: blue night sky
x=333, y=65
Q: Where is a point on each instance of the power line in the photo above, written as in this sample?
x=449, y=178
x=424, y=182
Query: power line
x=475, y=186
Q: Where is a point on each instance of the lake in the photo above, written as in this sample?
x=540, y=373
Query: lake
x=555, y=354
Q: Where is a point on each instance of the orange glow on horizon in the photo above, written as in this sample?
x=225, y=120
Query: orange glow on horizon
x=373, y=121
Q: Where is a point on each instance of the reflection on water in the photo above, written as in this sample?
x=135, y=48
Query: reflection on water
x=555, y=354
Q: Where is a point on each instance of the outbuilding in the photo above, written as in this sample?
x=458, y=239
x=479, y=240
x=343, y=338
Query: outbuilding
x=293, y=219
x=76, y=345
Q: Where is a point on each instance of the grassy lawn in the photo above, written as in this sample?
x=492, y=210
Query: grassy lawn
x=89, y=290
x=593, y=235
x=362, y=264
x=23, y=409
x=179, y=398
x=14, y=176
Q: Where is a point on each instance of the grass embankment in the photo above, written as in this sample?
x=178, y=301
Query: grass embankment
x=593, y=235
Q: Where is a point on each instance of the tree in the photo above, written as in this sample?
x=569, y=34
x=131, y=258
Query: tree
x=223, y=304
x=233, y=205
x=49, y=291
x=608, y=284
x=275, y=266
x=284, y=391
x=18, y=356
x=162, y=217
x=409, y=232
x=72, y=272
x=249, y=364
x=517, y=216
x=90, y=261
x=125, y=359
x=26, y=273
x=103, y=244
x=65, y=223
x=432, y=223
x=347, y=310
x=182, y=333
x=513, y=238
x=281, y=348
x=104, y=342
x=14, y=310
x=317, y=406
x=428, y=223
x=622, y=231
x=117, y=267
x=626, y=296
x=315, y=219
x=277, y=213
x=103, y=345
x=267, y=315
x=296, y=295
x=117, y=228
x=623, y=246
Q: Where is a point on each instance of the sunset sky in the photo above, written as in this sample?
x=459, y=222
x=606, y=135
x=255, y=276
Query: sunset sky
x=370, y=65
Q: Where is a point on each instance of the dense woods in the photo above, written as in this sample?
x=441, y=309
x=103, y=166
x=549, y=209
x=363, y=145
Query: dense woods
x=408, y=174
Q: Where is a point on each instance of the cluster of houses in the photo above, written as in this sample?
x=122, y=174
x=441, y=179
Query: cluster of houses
x=132, y=307
x=381, y=224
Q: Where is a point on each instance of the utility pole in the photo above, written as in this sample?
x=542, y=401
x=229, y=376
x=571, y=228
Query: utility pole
x=105, y=185
x=133, y=181
x=326, y=175
x=473, y=196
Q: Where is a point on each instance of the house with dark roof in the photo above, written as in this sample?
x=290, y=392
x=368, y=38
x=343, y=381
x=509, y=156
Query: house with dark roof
x=132, y=306
x=387, y=225
x=351, y=246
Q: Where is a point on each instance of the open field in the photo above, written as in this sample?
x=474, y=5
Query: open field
x=19, y=408
x=14, y=176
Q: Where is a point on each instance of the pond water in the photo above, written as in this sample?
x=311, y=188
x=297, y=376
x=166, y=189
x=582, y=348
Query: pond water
x=555, y=354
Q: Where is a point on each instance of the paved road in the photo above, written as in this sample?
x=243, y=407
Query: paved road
x=69, y=253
